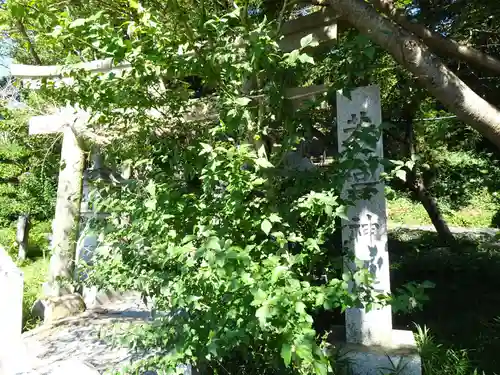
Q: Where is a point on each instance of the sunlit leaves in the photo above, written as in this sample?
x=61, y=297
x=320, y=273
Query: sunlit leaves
x=77, y=23
x=308, y=41
x=286, y=353
x=266, y=226
x=208, y=222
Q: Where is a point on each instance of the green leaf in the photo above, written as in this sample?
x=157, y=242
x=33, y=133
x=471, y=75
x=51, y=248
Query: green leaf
x=213, y=243
x=370, y=52
x=258, y=181
x=308, y=41
x=259, y=297
x=274, y=218
x=242, y=101
x=320, y=368
x=286, y=353
x=277, y=272
x=188, y=238
x=78, y=22
x=57, y=31
x=428, y=284
x=341, y=212
x=266, y=226
x=150, y=204
x=151, y=188
x=263, y=163
x=292, y=57
x=300, y=307
x=401, y=174
x=133, y=4
x=305, y=58
x=17, y=10
x=304, y=351
x=262, y=314
x=206, y=148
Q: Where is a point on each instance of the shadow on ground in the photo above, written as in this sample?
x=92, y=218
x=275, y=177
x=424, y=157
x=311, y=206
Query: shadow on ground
x=464, y=307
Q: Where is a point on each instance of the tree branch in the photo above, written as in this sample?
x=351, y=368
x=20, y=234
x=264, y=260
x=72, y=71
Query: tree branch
x=31, y=47
x=429, y=70
x=9, y=180
x=436, y=42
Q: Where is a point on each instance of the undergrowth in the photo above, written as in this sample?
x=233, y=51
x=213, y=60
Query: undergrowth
x=463, y=308
x=35, y=272
x=478, y=213
x=34, y=268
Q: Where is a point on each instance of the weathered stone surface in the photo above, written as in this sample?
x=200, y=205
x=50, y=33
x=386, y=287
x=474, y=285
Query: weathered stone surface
x=71, y=366
x=11, y=311
x=56, y=308
x=38, y=309
x=365, y=231
x=79, y=338
x=401, y=351
x=69, y=190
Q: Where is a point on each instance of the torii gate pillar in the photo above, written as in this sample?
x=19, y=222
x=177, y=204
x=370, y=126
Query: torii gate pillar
x=69, y=195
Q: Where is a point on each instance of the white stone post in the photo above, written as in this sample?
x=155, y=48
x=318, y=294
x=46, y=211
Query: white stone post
x=11, y=313
x=69, y=192
x=69, y=195
x=365, y=233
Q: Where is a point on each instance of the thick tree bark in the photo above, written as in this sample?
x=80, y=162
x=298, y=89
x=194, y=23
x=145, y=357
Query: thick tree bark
x=429, y=70
x=436, y=42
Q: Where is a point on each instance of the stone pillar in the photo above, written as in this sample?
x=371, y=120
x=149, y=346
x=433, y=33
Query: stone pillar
x=69, y=195
x=22, y=236
x=11, y=313
x=88, y=239
x=365, y=233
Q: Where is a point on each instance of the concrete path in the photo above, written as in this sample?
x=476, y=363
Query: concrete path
x=78, y=338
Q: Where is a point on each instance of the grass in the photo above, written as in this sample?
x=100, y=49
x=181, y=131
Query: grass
x=34, y=268
x=478, y=213
x=35, y=272
x=464, y=307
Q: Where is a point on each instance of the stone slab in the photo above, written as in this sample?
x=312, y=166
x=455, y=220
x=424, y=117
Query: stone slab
x=11, y=311
x=400, y=355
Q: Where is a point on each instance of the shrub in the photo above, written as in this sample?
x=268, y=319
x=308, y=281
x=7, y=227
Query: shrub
x=35, y=273
x=38, y=242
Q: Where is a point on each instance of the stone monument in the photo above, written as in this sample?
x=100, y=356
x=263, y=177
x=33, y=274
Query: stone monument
x=370, y=339
x=11, y=313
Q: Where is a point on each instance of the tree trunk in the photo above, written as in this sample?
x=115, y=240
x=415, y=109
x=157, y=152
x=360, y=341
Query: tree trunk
x=438, y=43
x=432, y=209
x=425, y=66
x=416, y=182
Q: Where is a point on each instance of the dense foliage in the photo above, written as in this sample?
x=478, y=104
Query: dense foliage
x=212, y=223
x=211, y=220
x=28, y=174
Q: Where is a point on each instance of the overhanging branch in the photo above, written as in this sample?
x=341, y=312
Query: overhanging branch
x=438, y=43
x=429, y=70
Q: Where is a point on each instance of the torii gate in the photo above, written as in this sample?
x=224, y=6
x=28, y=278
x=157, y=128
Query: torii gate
x=366, y=220
x=71, y=122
